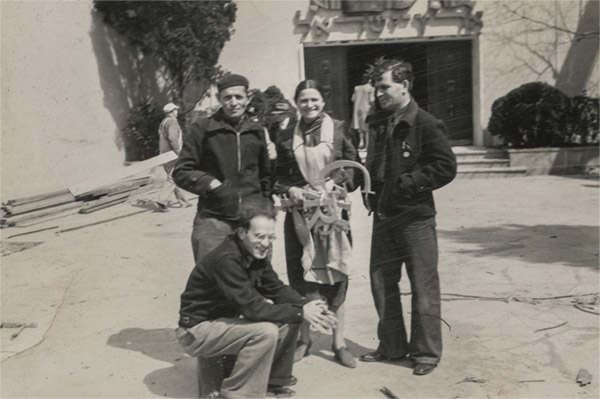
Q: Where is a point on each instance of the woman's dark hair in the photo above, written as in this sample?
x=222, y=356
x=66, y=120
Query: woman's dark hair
x=308, y=84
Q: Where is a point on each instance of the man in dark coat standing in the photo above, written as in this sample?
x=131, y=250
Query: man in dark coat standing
x=408, y=157
x=225, y=161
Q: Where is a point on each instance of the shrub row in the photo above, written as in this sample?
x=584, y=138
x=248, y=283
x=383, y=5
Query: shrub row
x=539, y=115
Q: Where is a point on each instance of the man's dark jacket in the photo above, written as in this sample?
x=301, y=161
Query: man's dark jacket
x=213, y=149
x=407, y=163
x=229, y=282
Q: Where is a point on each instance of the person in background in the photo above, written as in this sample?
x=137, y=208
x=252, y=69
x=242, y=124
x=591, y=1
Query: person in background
x=363, y=99
x=170, y=139
x=317, y=140
x=408, y=157
x=235, y=304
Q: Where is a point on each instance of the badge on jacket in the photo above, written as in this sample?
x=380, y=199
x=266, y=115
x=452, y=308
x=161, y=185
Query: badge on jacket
x=405, y=149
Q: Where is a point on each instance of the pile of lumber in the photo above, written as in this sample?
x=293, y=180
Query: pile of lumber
x=103, y=191
x=28, y=211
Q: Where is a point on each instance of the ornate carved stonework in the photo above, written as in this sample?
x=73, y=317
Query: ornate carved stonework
x=374, y=16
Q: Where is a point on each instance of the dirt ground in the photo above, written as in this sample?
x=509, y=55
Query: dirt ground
x=516, y=256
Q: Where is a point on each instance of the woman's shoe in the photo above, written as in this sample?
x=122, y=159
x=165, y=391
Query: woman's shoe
x=344, y=356
x=302, y=350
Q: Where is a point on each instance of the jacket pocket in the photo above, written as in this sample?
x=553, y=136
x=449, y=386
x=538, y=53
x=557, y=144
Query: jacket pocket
x=222, y=201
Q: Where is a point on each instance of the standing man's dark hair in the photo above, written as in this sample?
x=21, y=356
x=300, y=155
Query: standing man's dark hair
x=401, y=70
x=408, y=157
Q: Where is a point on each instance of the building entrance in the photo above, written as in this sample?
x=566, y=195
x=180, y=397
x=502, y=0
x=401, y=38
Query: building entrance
x=442, y=86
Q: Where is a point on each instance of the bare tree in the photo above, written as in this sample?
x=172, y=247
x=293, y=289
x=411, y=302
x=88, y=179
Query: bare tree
x=542, y=38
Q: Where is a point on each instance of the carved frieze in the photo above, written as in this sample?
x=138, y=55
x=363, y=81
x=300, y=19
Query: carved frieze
x=375, y=15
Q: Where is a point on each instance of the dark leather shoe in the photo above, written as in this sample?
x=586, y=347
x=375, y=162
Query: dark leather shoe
x=423, y=368
x=279, y=392
x=375, y=356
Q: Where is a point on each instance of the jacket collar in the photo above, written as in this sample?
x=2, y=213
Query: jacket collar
x=218, y=122
x=410, y=115
x=247, y=258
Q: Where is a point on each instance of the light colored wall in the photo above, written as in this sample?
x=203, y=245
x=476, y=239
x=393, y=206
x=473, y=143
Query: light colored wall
x=264, y=47
x=56, y=129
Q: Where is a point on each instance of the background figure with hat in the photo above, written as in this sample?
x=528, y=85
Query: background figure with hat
x=225, y=161
x=170, y=139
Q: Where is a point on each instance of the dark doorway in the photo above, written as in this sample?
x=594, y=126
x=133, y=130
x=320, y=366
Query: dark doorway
x=442, y=86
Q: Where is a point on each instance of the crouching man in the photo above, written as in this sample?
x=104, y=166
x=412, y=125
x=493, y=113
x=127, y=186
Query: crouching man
x=235, y=304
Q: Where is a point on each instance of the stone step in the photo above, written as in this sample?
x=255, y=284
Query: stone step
x=482, y=163
x=472, y=153
x=477, y=173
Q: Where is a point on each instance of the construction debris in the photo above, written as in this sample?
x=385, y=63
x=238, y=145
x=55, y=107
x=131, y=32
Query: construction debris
x=388, y=393
x=110, y=177
x=105, y=202
x=24, y=212
x=583, y=377
x=550, y=328
x=473, y=379
x=7, y=248
x=20, y=326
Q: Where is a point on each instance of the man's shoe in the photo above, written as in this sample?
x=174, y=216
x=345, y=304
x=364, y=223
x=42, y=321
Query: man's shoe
x=275, y=391
x=344, y=356
x=375, y=356
x=423, y=368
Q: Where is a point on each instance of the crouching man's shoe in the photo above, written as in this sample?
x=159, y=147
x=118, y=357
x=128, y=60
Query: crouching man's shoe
x=423, y=368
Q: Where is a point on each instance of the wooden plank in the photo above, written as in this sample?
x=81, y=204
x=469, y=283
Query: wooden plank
x=117, y=187
x=15, y=220
x=47, y=218
x=105, y=205
x=37, y=197
x=102, y=221
x=91, y=206
x=13, y=210
x=110, y=177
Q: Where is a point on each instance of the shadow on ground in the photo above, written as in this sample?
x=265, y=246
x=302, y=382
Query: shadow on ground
x=545, y=244
x=177, y=381
x=180, y=380
x=321, y=347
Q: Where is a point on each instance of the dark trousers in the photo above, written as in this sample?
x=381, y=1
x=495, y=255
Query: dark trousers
x=413, y=244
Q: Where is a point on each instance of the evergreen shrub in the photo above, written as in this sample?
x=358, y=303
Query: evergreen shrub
x=140, y=134
x=533, y=115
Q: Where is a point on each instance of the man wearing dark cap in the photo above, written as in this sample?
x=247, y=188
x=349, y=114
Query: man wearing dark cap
x=224, y=160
